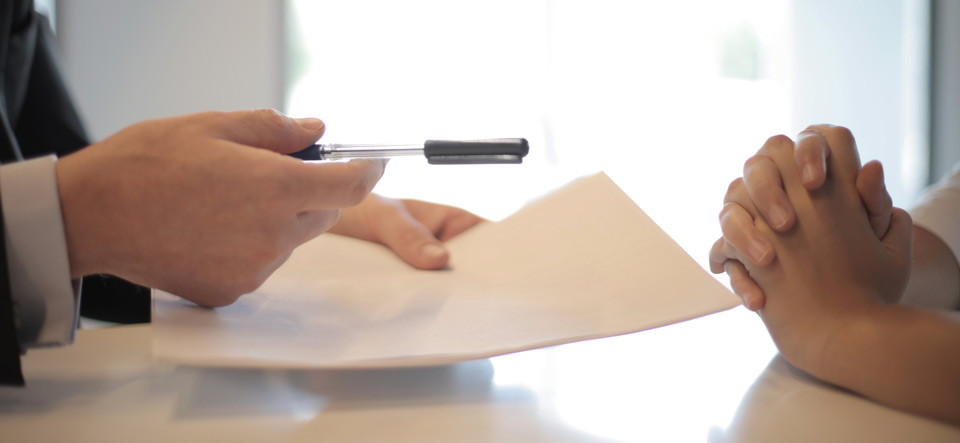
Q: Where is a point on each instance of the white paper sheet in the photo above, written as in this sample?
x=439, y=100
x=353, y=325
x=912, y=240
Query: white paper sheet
x=582, y=263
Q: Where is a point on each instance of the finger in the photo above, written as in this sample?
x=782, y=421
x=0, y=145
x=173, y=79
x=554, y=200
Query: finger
x=410, y=239
x=720, y=253
x=811, y=153
x=718, y=256
x=844, y=160
x=780, y=149
x=761, y=178
x=334, y=185
x=310, y=224
x=737, y=193
x=445, y=222
x=742, y=235
x=875, y=197
x=744, y=285
x=269, y=129
x=458, y=224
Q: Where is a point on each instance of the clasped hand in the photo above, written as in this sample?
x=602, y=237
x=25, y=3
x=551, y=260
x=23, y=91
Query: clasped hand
x=810, y=238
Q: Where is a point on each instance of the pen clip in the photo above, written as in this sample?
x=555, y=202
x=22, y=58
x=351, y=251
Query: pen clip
x=472, y=152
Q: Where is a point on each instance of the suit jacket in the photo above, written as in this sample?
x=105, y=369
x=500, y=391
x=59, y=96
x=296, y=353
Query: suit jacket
x=38, y=118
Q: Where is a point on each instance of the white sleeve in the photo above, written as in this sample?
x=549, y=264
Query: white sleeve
x=45, y=300
x=939, y=211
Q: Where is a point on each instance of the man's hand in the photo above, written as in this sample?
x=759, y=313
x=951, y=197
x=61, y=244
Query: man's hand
x=204, y=206
x=763, y=183
x=414, y=230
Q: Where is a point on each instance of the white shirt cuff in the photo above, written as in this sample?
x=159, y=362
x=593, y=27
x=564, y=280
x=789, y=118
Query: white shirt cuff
x=46, y=302
x=939, y=210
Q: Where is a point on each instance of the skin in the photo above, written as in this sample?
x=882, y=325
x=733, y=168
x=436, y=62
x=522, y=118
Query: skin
x=741, y=243
x=413, y=229
x=831, y=280
x=206, y=206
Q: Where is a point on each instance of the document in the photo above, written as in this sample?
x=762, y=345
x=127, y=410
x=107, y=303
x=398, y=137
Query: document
x=581, y=263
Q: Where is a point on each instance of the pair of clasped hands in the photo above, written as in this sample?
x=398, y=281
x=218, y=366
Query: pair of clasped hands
x=809, y=235
x=812, y=242
x=206, y=205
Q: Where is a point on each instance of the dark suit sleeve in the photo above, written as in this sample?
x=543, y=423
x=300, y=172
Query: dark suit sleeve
x=49, y=122
x=10, y=372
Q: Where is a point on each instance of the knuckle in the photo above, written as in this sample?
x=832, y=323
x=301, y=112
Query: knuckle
x=753, y=160
x=779, y=141
x=757, y=168
x=728, y=215
x=724, y=213
x=907, y=218
x=735, y=186
x=357, y=191
x=272, y=118
x=842, y=132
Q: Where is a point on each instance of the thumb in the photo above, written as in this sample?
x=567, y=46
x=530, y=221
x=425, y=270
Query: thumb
x=411, y=240
x=899, y=238
x=899, y=244
x=269, y=129
x=876, y=199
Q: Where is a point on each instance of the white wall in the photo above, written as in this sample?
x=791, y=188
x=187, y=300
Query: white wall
x=945, y=109
x=863, y=64
x=128, y=61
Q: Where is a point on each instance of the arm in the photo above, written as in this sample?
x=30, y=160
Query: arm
x=901, y=356
x=936, y=284
x=827, y=293
x=935, y=279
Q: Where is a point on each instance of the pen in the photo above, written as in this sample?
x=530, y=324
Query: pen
x=437, y=152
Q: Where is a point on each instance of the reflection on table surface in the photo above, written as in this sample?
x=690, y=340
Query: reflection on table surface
x=715, y=379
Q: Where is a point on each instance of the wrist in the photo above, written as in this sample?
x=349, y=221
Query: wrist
x=838, y=359
x=75, y=205
x=820, y=342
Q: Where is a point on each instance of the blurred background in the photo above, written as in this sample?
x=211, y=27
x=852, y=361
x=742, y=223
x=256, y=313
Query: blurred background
x=668, y=98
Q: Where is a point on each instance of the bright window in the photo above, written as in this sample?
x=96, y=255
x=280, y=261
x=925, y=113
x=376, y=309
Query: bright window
x=669, y=98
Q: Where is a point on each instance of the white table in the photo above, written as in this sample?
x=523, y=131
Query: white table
x=715, y=379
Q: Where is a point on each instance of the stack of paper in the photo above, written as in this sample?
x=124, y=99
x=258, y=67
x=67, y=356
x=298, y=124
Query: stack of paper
x=582, y=263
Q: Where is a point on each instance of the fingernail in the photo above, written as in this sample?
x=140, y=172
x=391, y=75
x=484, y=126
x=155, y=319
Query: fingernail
x=432, y=251
x=746, y=301
x=778, y=216
x=758, y=251
x=311, y=124
x=810, y=173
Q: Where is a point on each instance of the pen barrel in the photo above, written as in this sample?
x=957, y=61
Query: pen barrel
x=342, y=152
x=501, y=150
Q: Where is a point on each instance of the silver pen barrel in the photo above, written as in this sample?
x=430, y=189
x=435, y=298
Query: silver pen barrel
x=334, y=151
